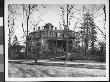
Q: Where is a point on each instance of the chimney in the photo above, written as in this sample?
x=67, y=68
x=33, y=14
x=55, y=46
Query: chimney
x=36, y=28
x=66, y=27
x=33, y=29
x=39, y=28
x=42, y=27
x=55, y=28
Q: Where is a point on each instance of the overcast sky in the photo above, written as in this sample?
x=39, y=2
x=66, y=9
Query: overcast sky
x=51, y=14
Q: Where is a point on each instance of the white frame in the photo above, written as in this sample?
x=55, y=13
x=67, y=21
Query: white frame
x=57, y=2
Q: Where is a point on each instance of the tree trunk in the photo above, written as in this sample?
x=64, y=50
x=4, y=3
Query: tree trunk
x=92, y=43
x=9, y=45
x=27, y=40
x=27, y=35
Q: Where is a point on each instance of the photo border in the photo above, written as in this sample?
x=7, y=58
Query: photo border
x=106, y=2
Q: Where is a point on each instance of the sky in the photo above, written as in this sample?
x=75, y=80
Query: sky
x=51, y=14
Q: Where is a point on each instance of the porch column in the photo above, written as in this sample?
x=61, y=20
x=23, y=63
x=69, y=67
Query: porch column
x=56, y=45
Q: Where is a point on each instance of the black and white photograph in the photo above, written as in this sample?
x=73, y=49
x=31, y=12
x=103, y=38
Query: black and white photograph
x=66, y=40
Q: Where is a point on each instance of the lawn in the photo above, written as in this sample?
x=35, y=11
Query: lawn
x=25, y=70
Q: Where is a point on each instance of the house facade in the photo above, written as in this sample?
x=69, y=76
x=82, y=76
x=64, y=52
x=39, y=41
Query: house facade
x=50, y=39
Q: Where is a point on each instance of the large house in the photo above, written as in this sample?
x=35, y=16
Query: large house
x=50, y=39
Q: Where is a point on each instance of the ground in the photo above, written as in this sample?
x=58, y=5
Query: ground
x=46, y=68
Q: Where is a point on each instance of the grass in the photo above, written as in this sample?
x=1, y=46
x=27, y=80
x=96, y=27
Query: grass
x=24, y=71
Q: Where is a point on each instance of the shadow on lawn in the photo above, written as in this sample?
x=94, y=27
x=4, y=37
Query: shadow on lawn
x=103, y=67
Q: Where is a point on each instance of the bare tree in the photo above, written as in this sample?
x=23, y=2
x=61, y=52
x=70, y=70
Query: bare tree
x=66, y=23
x=97, y=14
x=12, y=13
x=27, y=11
x=66, y=12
